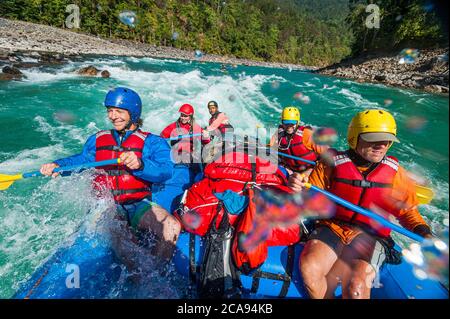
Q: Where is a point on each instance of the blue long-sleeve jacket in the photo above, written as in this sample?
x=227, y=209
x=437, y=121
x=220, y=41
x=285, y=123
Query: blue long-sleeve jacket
x=156, y=158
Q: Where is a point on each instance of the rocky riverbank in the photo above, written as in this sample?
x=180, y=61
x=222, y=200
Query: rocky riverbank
x=20, y=41
x=25, y=45
x=428, y=72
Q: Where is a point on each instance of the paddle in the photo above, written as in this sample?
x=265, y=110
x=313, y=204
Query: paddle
x=367, y=213
x=297, y=158
x=7, y=180
x=182, y=136
x=424, y=194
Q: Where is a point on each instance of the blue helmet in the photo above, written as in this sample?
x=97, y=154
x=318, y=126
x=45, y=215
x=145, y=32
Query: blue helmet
x=127, y=99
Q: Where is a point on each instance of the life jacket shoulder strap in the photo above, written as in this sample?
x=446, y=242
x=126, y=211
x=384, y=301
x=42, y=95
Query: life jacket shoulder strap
x=341, y=158
x=299, y=132
x=391, y=162
x=102, y=132
x=142, y=135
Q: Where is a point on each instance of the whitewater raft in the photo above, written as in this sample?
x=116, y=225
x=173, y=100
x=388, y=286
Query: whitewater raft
x=86, y=266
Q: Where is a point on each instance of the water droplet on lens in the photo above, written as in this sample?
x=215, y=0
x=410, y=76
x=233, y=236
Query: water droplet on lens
x=419, y=273
x=128, y=17
x=325, y=136
x=275, y=85
x=388, y=102
x=198, y=54
x=408, y=56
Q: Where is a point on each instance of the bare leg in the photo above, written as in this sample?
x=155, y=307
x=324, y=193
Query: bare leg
x=165, y=227
x=358, y=255
x=124, y=241
x=316, y=261
x=339, y=273
x=361, y=280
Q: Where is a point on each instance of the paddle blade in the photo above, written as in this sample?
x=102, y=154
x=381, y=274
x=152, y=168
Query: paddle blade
x=5, y=185
x=7, y=180
x=424, y=194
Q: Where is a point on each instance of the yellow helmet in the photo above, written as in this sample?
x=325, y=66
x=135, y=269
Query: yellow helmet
x=373, y=126
x=290, y=115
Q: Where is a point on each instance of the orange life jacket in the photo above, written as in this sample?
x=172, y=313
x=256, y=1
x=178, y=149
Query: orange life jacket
x=125, y=187
x=293, y=145
x=371, y=190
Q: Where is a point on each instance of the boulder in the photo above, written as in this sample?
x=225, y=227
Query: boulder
x=89, y=71
x=51, y=58
x=4, y=54
x=34, y=54
x=6, y=77
x=105, y=74
x=11, y=70
x=10, y=73
x=436, y=89
x=26, y=65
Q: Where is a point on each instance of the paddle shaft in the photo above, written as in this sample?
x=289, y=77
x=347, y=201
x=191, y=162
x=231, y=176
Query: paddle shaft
x=367, y=213
x=297, y=158
x=182, y=136
x=74, y=167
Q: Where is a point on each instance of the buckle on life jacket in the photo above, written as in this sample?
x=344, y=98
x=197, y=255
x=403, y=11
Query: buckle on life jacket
x=117, y=172
x=363, y=184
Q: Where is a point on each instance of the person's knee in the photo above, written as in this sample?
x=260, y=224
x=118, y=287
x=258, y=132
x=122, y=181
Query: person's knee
x=357, y=288
x=172, y=229
x=311, y=270
x=361, y=283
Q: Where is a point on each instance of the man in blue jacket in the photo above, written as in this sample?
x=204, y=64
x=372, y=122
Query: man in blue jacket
x=144, y=162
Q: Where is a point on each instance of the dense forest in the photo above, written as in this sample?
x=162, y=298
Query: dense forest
x=309, y=32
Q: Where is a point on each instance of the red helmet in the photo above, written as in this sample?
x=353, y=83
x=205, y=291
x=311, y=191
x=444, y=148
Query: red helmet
x=186, y=109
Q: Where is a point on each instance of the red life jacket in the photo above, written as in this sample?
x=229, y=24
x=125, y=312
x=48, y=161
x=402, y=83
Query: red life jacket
x=183, y=149
x=371, y=190
x=219, y=176
x=293, y=145
x=222, y=127
x=125, y=187
x=181, y=130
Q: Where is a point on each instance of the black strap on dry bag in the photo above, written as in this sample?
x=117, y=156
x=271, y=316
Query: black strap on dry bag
x=219, y=278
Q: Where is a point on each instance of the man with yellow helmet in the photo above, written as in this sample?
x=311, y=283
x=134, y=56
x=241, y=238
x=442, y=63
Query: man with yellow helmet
x=349, y=248
x=296, y=140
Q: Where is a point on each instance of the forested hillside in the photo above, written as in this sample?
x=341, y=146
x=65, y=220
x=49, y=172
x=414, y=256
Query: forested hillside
x=310, y=32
